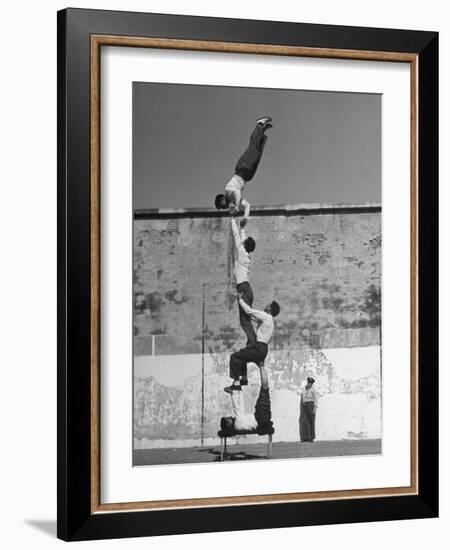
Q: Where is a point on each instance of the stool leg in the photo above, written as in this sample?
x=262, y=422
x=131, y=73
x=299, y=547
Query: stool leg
x=269, y=445
x=221, y=449
x=225, y=448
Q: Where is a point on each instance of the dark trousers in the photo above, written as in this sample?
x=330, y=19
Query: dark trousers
x=307, y=422
x=248, y=163
x=249, y=354
x=244, y=318
x=263, y=414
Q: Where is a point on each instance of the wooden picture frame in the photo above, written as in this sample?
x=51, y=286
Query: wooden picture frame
x=81, y=35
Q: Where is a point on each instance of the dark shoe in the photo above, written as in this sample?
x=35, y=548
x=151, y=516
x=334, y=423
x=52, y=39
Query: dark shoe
x=232, y=388
x=244, y=381
x=264, y=121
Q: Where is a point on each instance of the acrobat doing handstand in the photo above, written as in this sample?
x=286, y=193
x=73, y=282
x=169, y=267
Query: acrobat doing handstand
x=259, y=421
x=244, y=171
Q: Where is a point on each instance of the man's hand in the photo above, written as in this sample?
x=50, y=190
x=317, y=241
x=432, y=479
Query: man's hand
x=234, y=210
x=243, y=222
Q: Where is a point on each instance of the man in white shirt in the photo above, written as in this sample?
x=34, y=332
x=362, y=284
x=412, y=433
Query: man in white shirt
x=259, y=421
x=240, y=419
x=244, y=171
x=254, y=353
x=244, y=246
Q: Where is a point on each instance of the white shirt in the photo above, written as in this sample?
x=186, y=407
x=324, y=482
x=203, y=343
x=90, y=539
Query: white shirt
x=242, y=263
x=242, y=421
x=309, y=395
x=233, y=192
x=264, y=322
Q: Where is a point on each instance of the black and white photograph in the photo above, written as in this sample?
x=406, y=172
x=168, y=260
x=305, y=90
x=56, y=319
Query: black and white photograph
x=222, y=270
x=257, y=274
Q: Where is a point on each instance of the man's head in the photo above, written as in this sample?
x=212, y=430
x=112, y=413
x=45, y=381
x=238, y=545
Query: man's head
x=249, y=244
x=273, y=308
x=221, y=202
x=227, y=423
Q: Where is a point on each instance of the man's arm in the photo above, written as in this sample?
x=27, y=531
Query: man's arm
x=237, y=402
x=235, y=203
x=246, y=206
x=238, y=240
x=254, y=313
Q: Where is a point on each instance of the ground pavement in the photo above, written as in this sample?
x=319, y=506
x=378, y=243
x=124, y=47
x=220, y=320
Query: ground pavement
x=257, y=451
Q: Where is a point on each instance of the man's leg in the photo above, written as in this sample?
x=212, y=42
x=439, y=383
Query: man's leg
x=248, y=162
x=264, y=377
x=239, y=360
x=263, y=413
x=246, y=324
x=236, y=366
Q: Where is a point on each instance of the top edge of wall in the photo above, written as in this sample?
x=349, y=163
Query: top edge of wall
x=277, y=210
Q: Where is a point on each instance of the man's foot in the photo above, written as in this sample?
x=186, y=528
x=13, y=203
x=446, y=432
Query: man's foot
x=264, y=121
x=244, y=381
x=232, y=388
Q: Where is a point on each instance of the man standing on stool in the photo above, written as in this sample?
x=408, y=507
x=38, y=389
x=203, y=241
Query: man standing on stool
x=254, y=353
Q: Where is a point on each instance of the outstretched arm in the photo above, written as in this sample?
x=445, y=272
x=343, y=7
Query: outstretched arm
x=246, y=215
x=237, y=402
x=239, y=236
x=235, y=204
x=254, y=313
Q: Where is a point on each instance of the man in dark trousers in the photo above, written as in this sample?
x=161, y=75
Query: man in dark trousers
x=244, y=171
x=254, y=353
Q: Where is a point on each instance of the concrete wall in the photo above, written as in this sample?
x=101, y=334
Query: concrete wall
x=323, y=265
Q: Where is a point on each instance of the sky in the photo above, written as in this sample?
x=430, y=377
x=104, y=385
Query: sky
x=324, y=147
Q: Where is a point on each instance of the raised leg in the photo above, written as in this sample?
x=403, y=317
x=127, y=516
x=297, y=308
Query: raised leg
x=264, y=377
x=248, y=162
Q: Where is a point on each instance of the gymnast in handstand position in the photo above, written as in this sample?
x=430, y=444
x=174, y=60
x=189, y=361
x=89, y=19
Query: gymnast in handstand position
x=244, y=171
x=242, y=421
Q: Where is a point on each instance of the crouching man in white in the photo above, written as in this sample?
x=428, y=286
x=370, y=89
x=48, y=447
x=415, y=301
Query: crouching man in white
x=259, y=421
x=242, y=421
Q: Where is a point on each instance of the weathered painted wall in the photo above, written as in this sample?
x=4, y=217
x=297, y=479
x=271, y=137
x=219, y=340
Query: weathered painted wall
x=322, y=265
x=168, y=395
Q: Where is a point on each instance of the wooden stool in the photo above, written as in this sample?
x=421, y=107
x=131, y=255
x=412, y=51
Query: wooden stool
x=224, y=434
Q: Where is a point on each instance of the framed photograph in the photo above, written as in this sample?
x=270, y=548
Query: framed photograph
x=247, y=254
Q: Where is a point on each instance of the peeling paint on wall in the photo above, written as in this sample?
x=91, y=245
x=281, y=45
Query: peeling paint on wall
x=168, y=395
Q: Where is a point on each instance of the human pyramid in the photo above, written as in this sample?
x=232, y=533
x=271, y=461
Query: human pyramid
x=256, y=348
